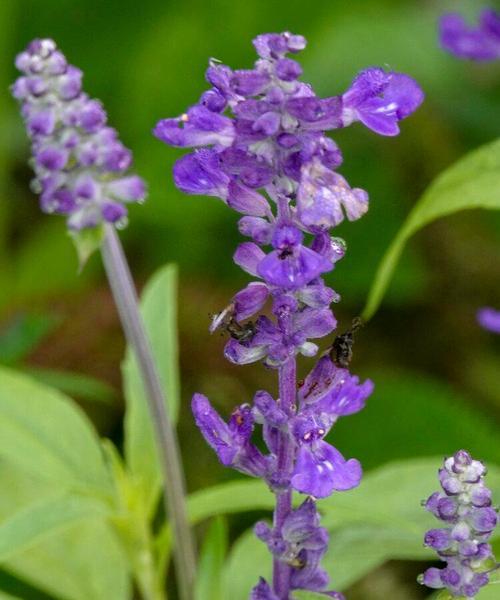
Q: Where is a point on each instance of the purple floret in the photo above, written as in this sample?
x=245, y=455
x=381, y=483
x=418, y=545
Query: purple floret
x=480, y=43
x=489, y=319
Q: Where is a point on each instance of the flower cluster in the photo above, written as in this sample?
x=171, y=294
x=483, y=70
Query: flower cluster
x=262, y=149
x=79, y=162
x=489, y=319
x=481, y=43
x=465, y=507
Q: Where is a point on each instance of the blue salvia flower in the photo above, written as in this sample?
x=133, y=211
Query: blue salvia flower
x=262, y=148
x=79, y=162
x=465, y=507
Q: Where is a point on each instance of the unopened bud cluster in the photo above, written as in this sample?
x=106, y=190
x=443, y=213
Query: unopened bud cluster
x=465, y=507
x=79, y=162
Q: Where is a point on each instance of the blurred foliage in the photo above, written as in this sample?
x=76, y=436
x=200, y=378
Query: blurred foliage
x=436, y=372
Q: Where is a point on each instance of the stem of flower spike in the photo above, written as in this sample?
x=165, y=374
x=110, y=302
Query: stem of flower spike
x=285, y=458
x=125, y=296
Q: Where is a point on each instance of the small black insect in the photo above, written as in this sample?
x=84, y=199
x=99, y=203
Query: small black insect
x=242, y=333
x=341, y=350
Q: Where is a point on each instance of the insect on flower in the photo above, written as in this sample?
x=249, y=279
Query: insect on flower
x=341, y=350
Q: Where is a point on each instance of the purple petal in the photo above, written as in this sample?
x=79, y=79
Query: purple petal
x=247, y=201
x=248, y=256
x=293, y=271
x=314, y=322
x=128, y=189
x=249, y=83
x=381, y=99
x=198, y=173
x=489, y=319
x=250, y=300
x=262, y=591
x=198, y=127
x=213, y=428
x=322, y=469
x=480, y=44
x=288, y=69
x=239, y=354
x=258, y=229
x=112, y=212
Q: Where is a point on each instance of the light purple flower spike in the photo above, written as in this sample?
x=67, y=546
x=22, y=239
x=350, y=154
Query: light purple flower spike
x=465, y=506
x=79, y=162
x=261, y=147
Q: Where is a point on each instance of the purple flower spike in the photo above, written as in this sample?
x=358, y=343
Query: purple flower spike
x=264, y=150
x=481, y=43
x=79, y=162
x=465, y=508
x=381, y=99
x=489, y=319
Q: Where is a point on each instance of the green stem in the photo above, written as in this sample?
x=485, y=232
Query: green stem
x=125, y=296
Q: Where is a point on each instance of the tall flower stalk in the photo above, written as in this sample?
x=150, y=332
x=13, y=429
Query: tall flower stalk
x=263, y=150
x=81, y=173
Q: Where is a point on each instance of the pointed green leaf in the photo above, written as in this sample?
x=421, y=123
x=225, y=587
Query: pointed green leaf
x=82, y=562
x=213, y=552
x=45, y=433
x=87, y=241
x=74, y=384
x=159, y=311
x=226, y=498
x=31, y=525
x=248, y=560
x=472, y=182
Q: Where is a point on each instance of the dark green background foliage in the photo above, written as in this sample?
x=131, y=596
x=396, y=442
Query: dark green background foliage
x=436, y=372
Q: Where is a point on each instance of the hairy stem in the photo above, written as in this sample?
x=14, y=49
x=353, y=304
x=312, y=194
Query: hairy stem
x=285, y=458
x=125, y=296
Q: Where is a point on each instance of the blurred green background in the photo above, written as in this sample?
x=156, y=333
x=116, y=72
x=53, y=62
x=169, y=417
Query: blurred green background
x=436, y=372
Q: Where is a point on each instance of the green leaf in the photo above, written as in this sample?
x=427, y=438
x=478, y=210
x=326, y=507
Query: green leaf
x=411, y=414
x=22, y=335
x=380, y=520
x=232, y=497
x=31, y=525
x=75, y=384
x=79, y=562
x=159, y=311
x=87, y=241
x=211, y=562
x=45, y=433
x=248, y=560
x=82, y=562
x=472, y=182
x=383, y=519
